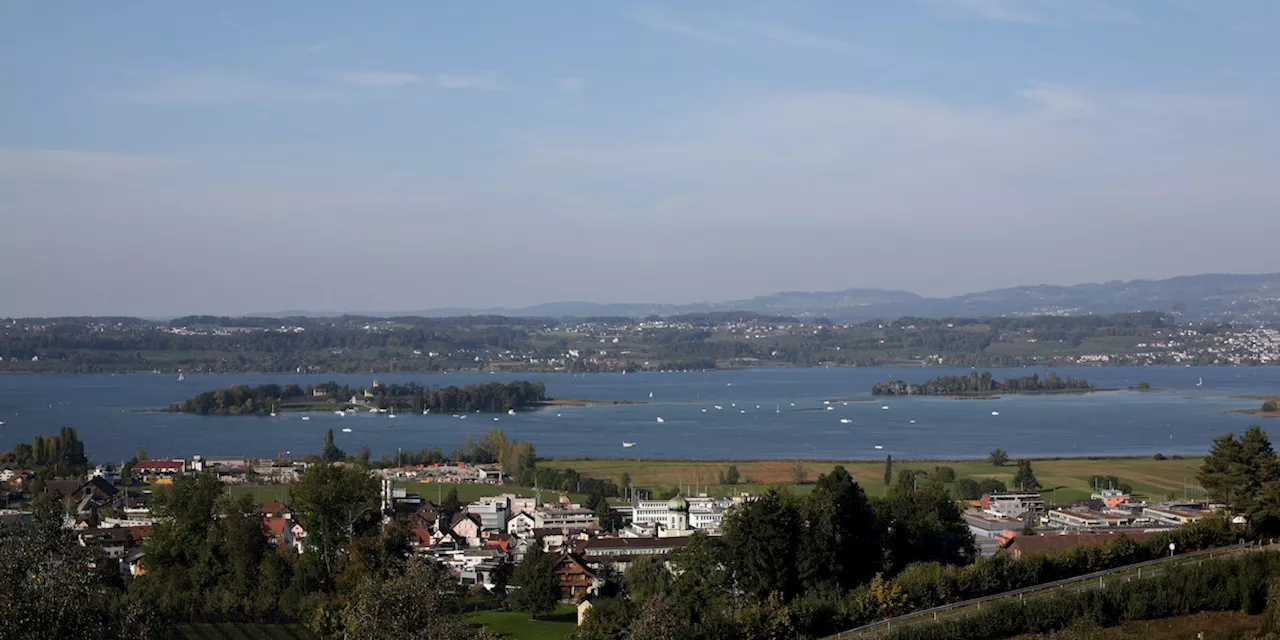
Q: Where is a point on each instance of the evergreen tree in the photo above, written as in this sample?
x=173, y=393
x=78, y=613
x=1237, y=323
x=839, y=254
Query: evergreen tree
x=764, y=535
x=888, y=470
x=840, y=545
x=537, y=588
x=330, y=452
x=1025, y=479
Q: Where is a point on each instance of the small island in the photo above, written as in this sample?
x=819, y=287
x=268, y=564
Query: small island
x=268, y=399
x=1270, y=406
x=984, y=385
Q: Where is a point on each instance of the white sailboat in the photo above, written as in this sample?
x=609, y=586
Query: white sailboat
x=273, y=411
x=511, y=412
x=628, y=445
x=180, y=377
x=660, y=419
x=1201, y=383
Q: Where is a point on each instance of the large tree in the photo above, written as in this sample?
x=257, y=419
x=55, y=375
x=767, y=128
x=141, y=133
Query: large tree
x=1025, y=478
x=419, y=603
x=335, y=504
x=840, y=545
x=1240, y=473
x=536, y=587
x=923, y=525
x=764, y=536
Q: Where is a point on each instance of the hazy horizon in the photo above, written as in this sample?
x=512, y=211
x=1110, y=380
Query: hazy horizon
x=161, y=160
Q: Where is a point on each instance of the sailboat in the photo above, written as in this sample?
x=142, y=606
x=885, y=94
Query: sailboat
x=273, y=411
x=180, y=377
x=1201, y=383
x=511, y=412
x=659, y=419
x=426, y=411
x=628, y=445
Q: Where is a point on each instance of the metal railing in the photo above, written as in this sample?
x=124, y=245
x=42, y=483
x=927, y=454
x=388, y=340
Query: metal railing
x=935, y=614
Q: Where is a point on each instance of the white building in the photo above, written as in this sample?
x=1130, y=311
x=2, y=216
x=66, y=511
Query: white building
x=563, y=518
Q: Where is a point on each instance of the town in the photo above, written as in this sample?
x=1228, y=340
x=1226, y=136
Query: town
x=692, y=342
x=587, y=544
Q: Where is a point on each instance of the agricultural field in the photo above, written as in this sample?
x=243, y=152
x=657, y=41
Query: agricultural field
x=1063, y=479
x=516, y=625
x=243, y=631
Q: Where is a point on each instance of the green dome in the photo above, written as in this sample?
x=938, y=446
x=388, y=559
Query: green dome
x=677, y=504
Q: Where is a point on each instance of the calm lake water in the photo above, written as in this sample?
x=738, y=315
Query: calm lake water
x=773, y=413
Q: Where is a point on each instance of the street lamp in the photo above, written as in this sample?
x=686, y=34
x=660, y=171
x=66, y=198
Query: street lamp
x=1171, y=547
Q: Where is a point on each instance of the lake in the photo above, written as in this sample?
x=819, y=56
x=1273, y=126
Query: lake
x=766, y=413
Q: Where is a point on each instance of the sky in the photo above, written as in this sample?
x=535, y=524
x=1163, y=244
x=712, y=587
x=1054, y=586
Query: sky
x=164, y=158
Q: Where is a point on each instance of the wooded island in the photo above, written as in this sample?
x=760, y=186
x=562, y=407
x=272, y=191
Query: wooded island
x=266, y=399
x=983, y=384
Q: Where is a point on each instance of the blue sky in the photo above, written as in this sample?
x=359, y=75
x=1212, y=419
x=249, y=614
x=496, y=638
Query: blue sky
x=165, y=158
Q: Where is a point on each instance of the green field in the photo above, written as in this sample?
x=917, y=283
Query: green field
x=517, y=625
x=1063, y=479
x=472, y=492
x=243, y=631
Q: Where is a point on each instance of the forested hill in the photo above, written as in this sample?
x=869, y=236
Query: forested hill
x=269, y=398
x=1227, y=297
x=984, y=383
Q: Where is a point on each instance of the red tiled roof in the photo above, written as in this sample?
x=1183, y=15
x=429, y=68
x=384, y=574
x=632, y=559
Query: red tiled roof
x=275, y=525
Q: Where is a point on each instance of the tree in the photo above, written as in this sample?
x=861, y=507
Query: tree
x=451, y=504
x=46, y=590
x=991, y=485
x=966, y=489
x=888, y=470
x=362, y=455
x=537, y=588
x=419, y=603
x=606, y=516
x=732, y=476
x=764, y=535
x=924, y=525
x=141, y=454
x=1270, y=406
x=1025, y=479
x=1144, y=386
x=660, y=619
x=335, y=504
x=330, y=452
x=998, y=457
x=799, y=473
x=839, y=544
x=626, y=481
x=944, y=474
x=647, y=577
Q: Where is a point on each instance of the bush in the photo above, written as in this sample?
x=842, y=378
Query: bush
x=944, y=474
x=1270, y=406
x=1158, y=456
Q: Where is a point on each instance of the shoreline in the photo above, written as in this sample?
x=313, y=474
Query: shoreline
x=1011, y=465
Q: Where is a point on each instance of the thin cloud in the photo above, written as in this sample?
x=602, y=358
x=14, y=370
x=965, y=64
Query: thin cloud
x=1003, y=11
x=216, y=88
x=79, y=165
x=666, y=25
x=378, y=78
x=483, y=81
x=747, y=34
x=793, y=37
x=317, y=48
x=571, y=84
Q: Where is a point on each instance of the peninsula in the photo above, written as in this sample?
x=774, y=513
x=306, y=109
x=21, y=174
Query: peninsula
x=984, y=384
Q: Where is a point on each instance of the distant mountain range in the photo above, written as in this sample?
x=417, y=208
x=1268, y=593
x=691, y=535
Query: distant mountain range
x=1201, y=297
